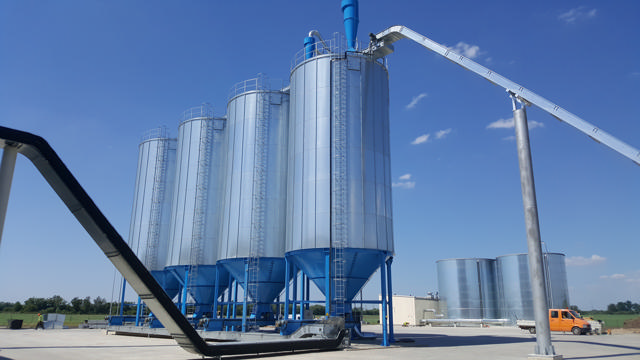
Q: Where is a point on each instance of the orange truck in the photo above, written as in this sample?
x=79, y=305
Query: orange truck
x=560, y=320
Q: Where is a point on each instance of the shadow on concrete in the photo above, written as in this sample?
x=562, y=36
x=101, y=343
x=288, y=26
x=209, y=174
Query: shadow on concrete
x=635, y=356
x=592, y=343
x=82, y=347
x=439, y=340
x=5, y=358
x=272, y=354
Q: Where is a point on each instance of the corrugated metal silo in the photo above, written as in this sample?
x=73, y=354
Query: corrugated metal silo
x=514, y=285
x=468, y=286
x=149, y=228
x=339, y=187
x=253, y=218
x=196, y=198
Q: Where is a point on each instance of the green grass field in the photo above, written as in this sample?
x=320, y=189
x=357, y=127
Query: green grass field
x=30, y=320
x=371, y=319
x=611, y=321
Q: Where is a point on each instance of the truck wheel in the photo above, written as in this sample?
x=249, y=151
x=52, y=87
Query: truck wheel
x=532, y=330
x=576, y=330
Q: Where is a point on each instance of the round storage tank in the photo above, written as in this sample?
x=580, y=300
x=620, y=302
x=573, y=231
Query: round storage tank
x=468, y=286
x=149, y=228
x=339, y=186
x=196, y=198
x=253, y=217
x=514, y=285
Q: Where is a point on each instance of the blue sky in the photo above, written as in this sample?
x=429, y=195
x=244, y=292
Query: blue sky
x=92, y=76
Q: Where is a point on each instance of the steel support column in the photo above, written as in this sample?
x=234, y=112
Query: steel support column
x=327, y=283
x=124, y=286
x=383, y=290
x=215, y=296
x=185, y=291
x=138, y=311
x=536, y=268
x=287, y=274
x=294, y=291
x=9, y=155
x=246, y=296
x=302, y=284
x=390, y=291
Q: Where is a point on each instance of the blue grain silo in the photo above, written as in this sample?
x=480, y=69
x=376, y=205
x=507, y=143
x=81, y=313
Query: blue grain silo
x=339, y=220
x=253, y=219
x=194, y=228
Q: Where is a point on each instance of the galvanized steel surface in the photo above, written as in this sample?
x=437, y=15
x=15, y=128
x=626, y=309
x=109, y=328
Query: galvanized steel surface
x=196, y=196
x=150, y=217
x=312, y=184
x=514, y=285
x=241, y=195
x=468, y=287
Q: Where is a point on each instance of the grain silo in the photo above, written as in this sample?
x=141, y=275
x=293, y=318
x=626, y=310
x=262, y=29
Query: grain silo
x=194, y=228
x=253, y=219
x=339, y=221
x=514, y=285
x=149, y=228
x=468, y=287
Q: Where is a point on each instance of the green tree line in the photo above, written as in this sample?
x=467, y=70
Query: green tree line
x=56, y=304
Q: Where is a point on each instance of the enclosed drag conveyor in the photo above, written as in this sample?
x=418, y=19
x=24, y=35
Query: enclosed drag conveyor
x=45, y=159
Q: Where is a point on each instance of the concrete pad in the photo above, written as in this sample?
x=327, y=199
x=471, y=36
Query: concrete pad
x=545, y=357
x=411, y=343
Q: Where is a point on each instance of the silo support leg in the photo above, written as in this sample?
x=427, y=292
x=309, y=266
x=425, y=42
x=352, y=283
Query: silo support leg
x=246, y=295
x=327, y=283
x=308, y=296
x=7, y=167
x=287, y=275
x=215, y=296
x=301, y=295
x=124, y=287
x=229, y=297
x=536, y=270
x=138, y=311
x=390, y=292
x=185, y=290
x=383, y=291
x=294, y=291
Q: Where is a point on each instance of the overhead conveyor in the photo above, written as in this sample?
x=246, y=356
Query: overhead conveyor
x=123, y=258
x=381, y=46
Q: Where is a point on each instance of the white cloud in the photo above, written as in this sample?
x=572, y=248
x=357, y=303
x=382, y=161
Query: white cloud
x=442, y=133
x=632, y=277
x=614, y=276
x=405, y=177
x=421, y=139
x=510, y=124
x=416, y=100
x=577, y=14
x=582, y=261
x=509, y=138
x=404, y=184
x=467, y=50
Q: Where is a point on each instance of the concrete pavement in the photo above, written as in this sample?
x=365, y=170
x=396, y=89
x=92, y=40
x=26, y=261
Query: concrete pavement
x=413, y=343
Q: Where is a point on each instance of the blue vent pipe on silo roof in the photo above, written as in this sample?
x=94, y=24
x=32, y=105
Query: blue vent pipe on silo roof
x=309, y=47
x=351, y=20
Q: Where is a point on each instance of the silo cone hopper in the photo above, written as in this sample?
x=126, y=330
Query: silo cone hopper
x=168, y=282
x=359, y=265
x=202, y=287
x=271, y=273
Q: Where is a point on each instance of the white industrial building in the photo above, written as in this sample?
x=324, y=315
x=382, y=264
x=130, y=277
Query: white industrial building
x=410, y=310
